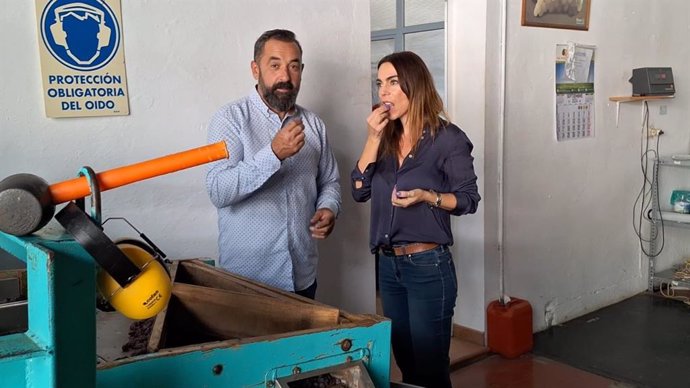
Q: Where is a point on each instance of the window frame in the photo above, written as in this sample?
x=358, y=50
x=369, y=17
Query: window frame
x=398, y=33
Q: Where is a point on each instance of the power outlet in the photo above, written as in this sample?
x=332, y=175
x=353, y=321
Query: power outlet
x=654, y=132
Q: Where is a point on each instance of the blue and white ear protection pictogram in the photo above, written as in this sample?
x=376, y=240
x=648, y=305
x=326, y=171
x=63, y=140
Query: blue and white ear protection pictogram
x=60, y=36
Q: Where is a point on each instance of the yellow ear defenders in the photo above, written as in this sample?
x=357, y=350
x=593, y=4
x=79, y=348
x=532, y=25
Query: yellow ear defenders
x=59, y=34
x=130, y=278
x=148, y=293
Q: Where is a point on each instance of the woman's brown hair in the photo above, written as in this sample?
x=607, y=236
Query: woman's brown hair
x=426, y=107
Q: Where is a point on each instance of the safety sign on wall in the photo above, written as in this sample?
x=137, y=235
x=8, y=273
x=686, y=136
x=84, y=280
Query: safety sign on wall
x=82, y=58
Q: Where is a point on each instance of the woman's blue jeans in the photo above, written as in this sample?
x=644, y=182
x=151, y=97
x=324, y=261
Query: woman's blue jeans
x=418, y=294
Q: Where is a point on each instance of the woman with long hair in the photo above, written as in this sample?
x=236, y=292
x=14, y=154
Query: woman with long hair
x=417, y=169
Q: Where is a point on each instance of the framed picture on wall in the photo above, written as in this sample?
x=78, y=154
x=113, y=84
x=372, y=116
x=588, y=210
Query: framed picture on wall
x=570, y=14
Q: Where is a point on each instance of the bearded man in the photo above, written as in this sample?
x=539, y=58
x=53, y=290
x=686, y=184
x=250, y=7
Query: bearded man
x=278, y=192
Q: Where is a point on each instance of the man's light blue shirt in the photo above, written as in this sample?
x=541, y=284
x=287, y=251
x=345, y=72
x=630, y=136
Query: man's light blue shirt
x=265, y=205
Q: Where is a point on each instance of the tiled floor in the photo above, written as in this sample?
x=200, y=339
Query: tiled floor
x=475, y=368
x=527, y=371
x=642, y=340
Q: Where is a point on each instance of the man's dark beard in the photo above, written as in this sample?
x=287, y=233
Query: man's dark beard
x=281, y=102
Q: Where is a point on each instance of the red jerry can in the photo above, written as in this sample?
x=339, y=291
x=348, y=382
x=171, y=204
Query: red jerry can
x=509, y=327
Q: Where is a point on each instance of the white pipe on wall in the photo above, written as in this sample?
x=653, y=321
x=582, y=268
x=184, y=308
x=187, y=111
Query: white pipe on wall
x=499, y=163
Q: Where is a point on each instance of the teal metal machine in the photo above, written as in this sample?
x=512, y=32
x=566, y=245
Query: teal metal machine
x=59, y=348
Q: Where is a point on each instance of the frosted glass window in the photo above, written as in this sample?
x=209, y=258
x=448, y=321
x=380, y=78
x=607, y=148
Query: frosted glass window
x=414, y=25
x=382, y=14
x=424, y=11
x=379, y=49
x=430, y=46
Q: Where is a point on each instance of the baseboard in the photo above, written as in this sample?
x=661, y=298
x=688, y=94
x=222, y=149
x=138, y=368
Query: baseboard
x=469, y=335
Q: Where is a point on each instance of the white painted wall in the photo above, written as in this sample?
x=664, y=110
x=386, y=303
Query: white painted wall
x=569, y=243
x=466, y=32
x=185, y=59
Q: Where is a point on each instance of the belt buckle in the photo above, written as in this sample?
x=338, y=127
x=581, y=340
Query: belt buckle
x=388, y=251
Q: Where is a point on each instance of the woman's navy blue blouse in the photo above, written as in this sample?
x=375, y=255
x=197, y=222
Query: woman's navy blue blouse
x=443, y=164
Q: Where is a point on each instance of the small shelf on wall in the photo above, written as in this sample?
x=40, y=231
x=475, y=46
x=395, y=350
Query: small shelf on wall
x=637, y=98
x=619, y=99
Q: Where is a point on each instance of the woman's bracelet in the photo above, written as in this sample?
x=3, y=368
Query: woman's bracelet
x=438, y=199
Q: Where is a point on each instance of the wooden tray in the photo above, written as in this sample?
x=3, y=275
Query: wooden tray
x=209, y=304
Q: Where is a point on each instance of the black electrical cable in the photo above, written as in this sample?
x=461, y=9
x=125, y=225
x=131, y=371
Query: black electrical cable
x=643, y=189
x=658, y=203
x=649, y=189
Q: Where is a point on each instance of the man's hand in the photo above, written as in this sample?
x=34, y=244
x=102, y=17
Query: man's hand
x=289, y=140
x=321, y=225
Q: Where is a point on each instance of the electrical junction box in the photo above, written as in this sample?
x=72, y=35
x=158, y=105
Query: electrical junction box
x=652, y=81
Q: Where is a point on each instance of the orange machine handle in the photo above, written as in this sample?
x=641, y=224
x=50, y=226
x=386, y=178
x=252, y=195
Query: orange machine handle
x=79, y=187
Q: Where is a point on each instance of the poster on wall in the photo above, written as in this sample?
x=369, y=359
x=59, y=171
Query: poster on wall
x=574, y=91
x=82, y=58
